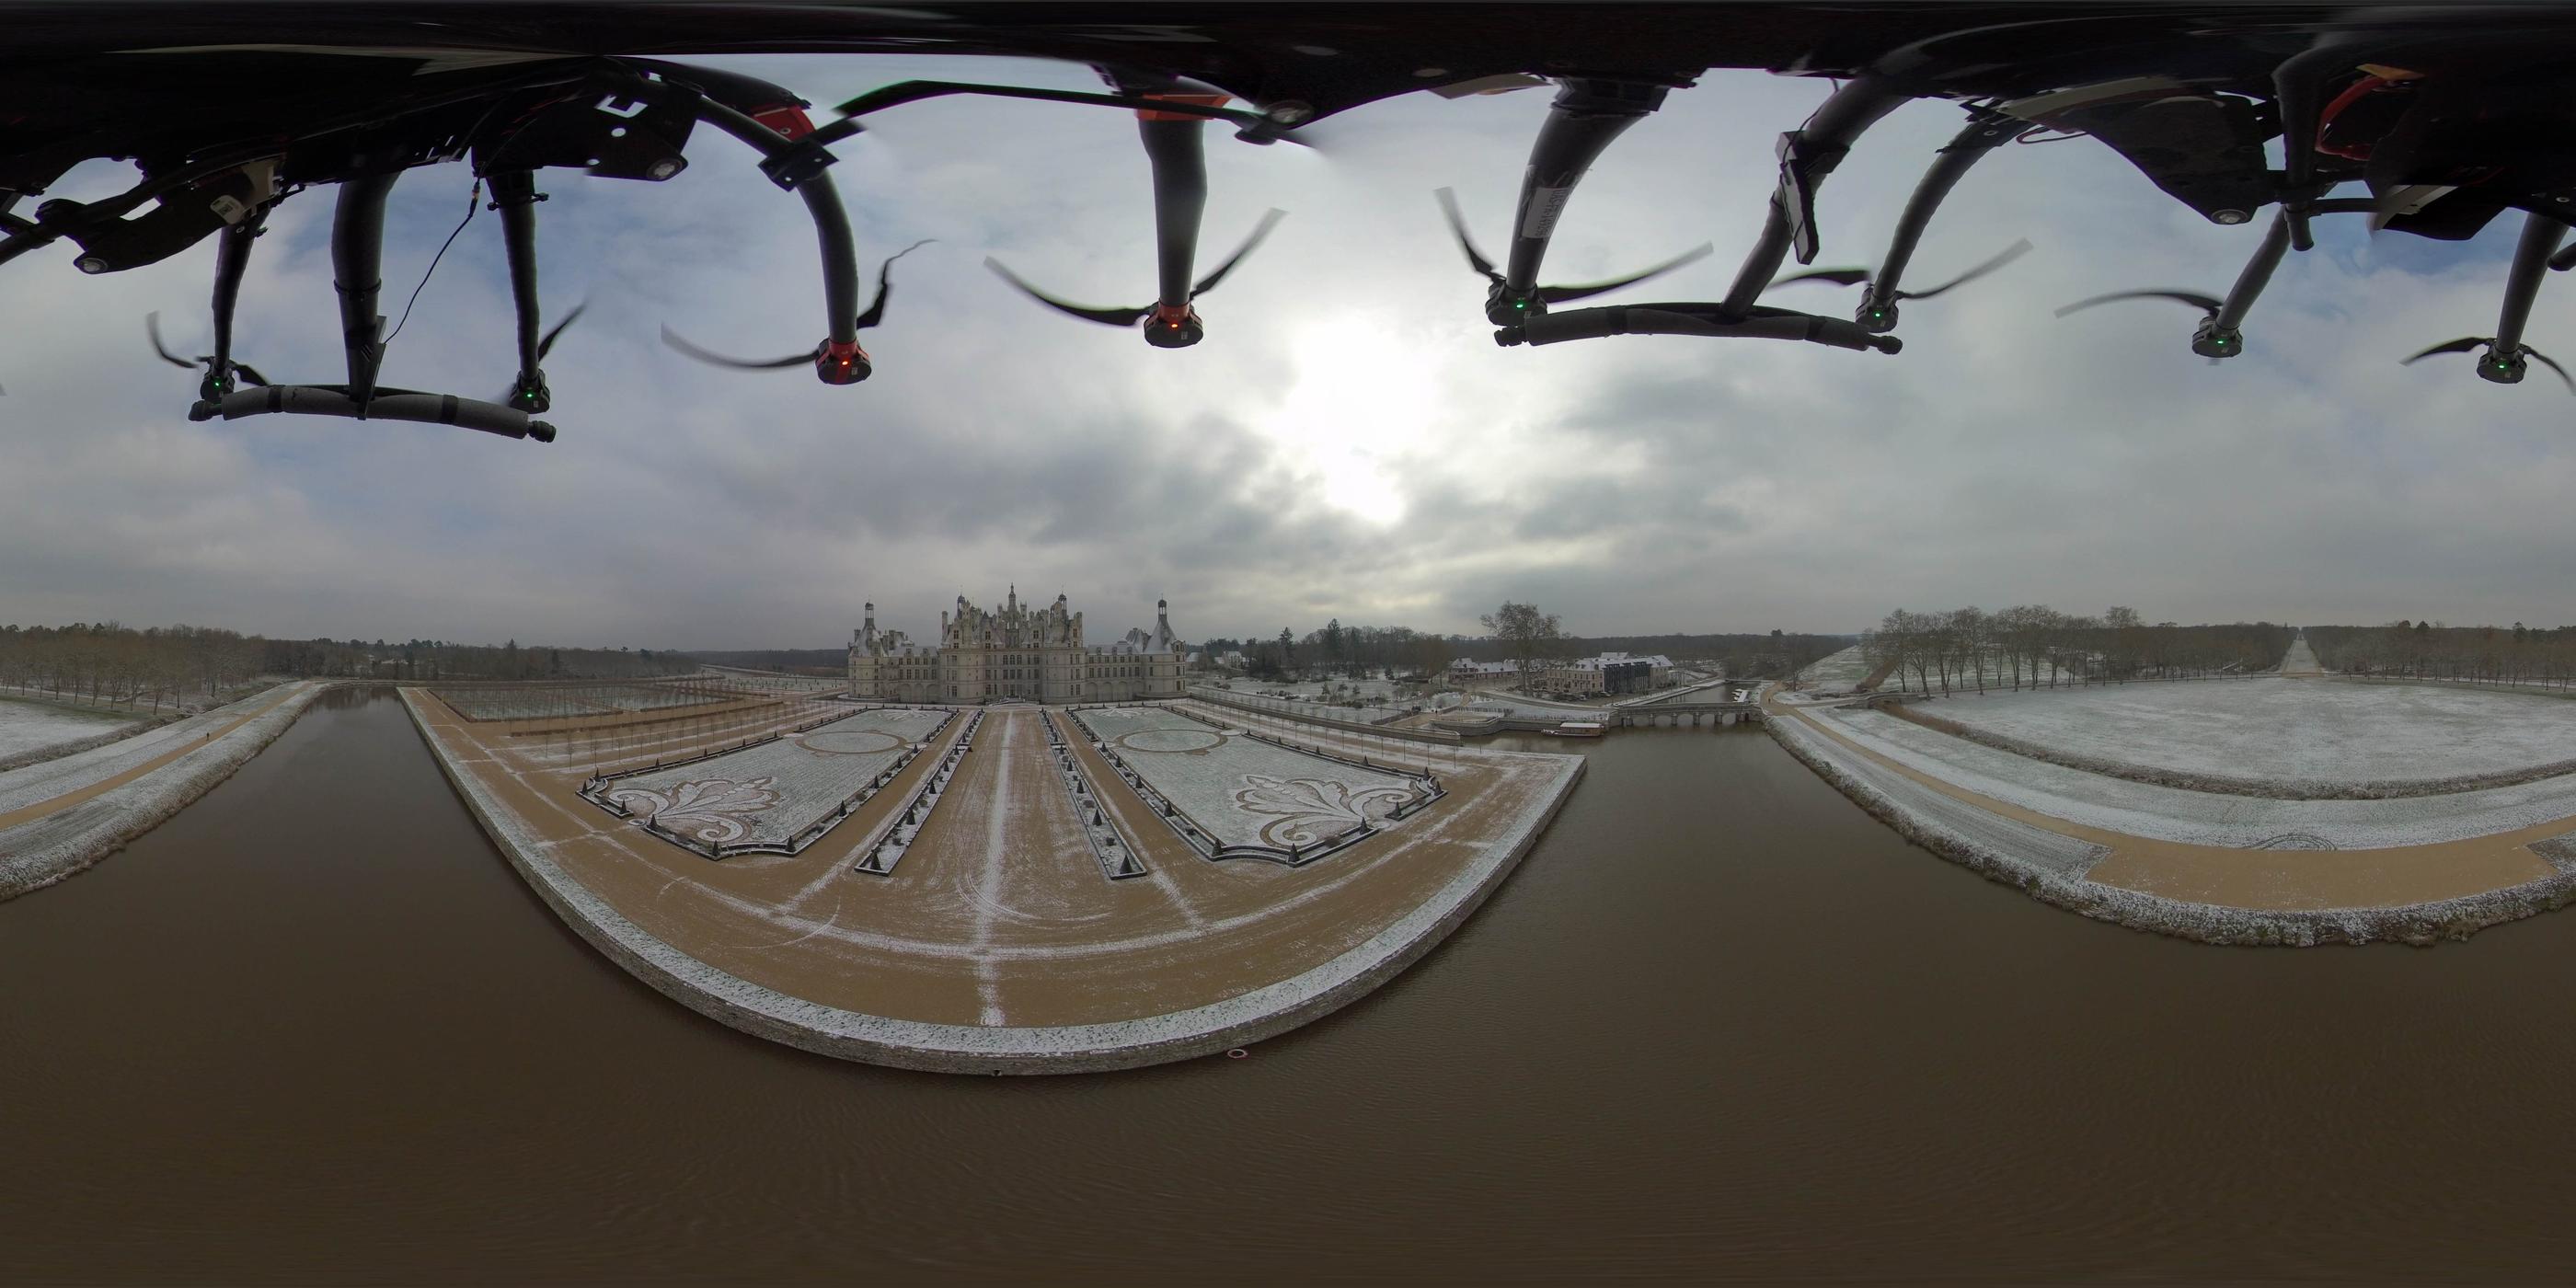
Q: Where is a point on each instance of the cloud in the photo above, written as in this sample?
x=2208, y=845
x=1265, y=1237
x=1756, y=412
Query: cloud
x=1348, y=442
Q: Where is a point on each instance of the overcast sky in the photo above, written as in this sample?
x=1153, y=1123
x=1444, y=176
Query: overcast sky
x=1347, y=442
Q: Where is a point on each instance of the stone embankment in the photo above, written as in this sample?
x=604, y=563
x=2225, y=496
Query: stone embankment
x=2051, y=868
x=87, y=807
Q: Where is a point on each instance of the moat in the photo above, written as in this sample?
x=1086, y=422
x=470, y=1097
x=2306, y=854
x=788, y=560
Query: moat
x=1720, y=1021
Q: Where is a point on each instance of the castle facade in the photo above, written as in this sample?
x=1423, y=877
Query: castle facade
x=1014, y=653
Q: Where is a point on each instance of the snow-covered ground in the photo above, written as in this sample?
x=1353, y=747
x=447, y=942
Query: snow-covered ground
x=2300, y=657
x=1837, y=670
x=772, y=792
x=571, y=700
x=2203, y=818
x=44, y=780
x=29, y=726
x=2305, y=731
x=1244, y=792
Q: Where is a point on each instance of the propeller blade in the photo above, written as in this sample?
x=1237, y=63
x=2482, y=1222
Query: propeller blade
x=1259, y=231
x=885, y=279
x=1560, y=294
x=250, y=373
x=1458, y=229
x=1106, y=317
x=1837, y=276
x=152, y=325
x=681, y=343
x=2193, y=298
x=2011, y=253
x=2461, y=345
x=2551, y=363
x=547, y=344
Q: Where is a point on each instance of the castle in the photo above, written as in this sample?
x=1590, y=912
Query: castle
x=1014, y=653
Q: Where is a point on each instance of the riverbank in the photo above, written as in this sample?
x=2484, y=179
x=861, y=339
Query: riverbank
x=64, y=814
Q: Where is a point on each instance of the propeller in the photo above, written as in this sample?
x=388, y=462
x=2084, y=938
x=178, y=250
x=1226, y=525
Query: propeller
x=1129, y=317
x=1858, y=276
x=875, y=314
x=152, y=325
x=2209, y=304
x=2209, y=341
x=545, y=345
x=1553, y=294
x=2501, y=368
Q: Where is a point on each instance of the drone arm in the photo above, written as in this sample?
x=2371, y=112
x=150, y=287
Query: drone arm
x=2540, y=238
x=1976, y=141
x=1807, y=155
x=2256, y=275
x=232, y=260
x=877, y=100
x=357, y=262
x=1586, y=118
x=798, y=165
x=1176, y=148
x=515, y=195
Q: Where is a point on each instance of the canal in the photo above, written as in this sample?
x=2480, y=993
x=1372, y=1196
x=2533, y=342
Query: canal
x=1721, y=1023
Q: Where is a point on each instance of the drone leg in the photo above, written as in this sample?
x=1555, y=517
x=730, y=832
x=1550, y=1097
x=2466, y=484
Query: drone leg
x=2540, y=237
x=515, y=195
x=1975, y=142
x=1177, y=149
x=1587, y=116
x=1807, y=154
x=232, y=260
x=357, y=262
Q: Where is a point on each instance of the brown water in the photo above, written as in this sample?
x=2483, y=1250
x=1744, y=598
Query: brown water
x=1721, y=1024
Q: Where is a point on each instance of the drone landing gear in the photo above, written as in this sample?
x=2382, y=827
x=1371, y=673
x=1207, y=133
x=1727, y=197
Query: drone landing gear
x=357, y=255
x=1698, y=319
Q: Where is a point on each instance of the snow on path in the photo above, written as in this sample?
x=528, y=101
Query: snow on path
x=2273, y=728
x=2201, y=818
x=988, y=888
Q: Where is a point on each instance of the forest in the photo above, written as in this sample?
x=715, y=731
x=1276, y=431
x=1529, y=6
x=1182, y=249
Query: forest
x=108, y=664
x=2515, y=654
x=2033, y=645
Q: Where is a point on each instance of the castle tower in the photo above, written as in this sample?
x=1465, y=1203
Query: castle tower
x=871, y=627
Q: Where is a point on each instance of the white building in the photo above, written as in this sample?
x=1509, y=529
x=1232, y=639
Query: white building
x=1014, y=652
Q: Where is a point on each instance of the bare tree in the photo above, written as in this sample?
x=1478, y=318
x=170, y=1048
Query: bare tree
x=1525, y=633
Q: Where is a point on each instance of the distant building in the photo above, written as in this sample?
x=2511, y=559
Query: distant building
x=1014, y=652
x=1607, y=673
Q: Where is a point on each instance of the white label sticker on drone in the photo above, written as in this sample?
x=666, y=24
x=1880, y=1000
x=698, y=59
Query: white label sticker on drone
x=228, y=210
x=1545, y=205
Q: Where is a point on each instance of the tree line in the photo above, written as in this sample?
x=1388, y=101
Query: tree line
x=111, y=664
x=2513, y=654
x=1517, y=632
x=2033, y=645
